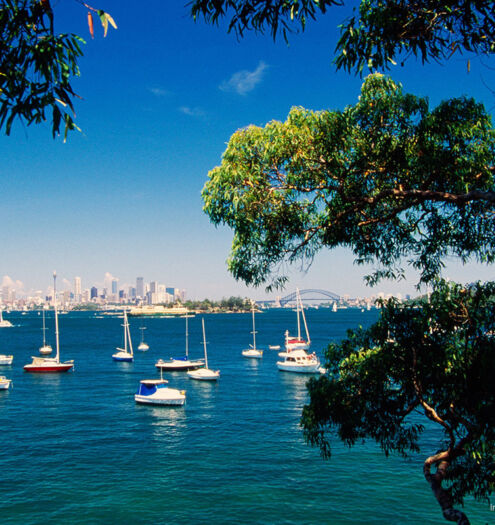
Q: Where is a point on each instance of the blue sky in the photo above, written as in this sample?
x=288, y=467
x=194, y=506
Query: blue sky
x=160, y=98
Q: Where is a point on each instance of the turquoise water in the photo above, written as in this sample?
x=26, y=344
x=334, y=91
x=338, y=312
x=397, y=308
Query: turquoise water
x=75, y=448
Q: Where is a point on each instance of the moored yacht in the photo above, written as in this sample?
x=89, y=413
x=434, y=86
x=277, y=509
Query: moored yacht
x=155, y=392
x=301, y=362
x=50, y=364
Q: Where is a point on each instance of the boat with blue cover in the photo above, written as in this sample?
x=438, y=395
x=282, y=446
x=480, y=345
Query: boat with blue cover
x=155, y=392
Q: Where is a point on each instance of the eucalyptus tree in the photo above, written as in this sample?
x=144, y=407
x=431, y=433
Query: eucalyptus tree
x=396, y=182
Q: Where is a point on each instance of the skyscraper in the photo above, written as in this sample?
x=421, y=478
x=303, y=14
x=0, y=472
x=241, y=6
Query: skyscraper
x=94, y=292
x=114, y=286
x=140, y=287
x=77, y=297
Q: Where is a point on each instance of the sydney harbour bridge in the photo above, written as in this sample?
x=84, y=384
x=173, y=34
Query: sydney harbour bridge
x=306, y=295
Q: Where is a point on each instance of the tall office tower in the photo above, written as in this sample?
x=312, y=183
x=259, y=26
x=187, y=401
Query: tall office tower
x=114, y=286
x=94, y=292
x=140, y=287
x=153, y=287
x=77, y=286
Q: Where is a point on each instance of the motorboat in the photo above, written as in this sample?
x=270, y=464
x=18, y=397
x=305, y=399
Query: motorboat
x=50, y=364
x=274, y=347
x=155, y=392
x=6, y=359
x=298, y=343
x=204, y=374
x=178, y=364
x=253, y=352
x=142, y=345
x=5, y=383
x=301, y=362
x=125, y=354
x=3, y=322
x=45, y=349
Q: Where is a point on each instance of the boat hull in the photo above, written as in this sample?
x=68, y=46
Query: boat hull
x=179, y=366
x=5, y=384
x=299, y=369
x=123, y=359
x=253, y=354
x=151, y=400
x=204, y=374
x=49, y=369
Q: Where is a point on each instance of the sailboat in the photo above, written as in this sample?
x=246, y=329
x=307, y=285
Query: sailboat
x=297, y=343
x=3, y=322
x=50, y=364
x=204, y=374
x=253, y=351
x=181, y=363
x=125, y=354
x=142, y=345
x=45, y=349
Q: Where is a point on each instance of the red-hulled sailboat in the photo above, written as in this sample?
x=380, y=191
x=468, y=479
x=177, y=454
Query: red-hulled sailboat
x=50, y=364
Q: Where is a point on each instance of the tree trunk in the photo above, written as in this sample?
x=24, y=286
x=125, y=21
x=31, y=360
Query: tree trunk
x=442, y=462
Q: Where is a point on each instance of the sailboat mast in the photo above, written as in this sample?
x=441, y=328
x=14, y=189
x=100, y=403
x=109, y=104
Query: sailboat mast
x=57, y=357
x=254, y=330
x=127, y=333
x=187, y=336
x=204, y=342
x=44, y=328
x=298, y=298
x=304, y=319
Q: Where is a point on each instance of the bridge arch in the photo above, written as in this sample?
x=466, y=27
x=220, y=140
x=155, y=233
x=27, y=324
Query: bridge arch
x=310, y=295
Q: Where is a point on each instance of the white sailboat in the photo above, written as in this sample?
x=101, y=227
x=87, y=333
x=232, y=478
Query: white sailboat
x=253, y=352
x=204, y=374
x=51, y=364
x=126, y=353
x=45, y=349
x=3, y=322
x=178, y=364
x=142, y=345
x=297, y=343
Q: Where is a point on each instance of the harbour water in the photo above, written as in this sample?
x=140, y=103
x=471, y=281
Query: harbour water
x=75, y=448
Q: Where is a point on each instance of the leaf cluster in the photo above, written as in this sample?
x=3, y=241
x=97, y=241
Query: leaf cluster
x=279, y=16
x=36, y=67
x=387, y=177
x=377, y=34
x=434, y=360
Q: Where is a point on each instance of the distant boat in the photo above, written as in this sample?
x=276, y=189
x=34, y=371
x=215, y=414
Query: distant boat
x=274, y=347
x=253, y=352
x=178, y=364
x=45, y=349
x=298, y=343
x=3, y=322
x=50, y=364
x=204, y=374
x=5, y=383
x=142, y=345
x=125, y=354
x=6, y=359
x=334, y=307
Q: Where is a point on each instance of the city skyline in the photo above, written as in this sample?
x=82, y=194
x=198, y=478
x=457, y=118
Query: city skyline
x=124, y=196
